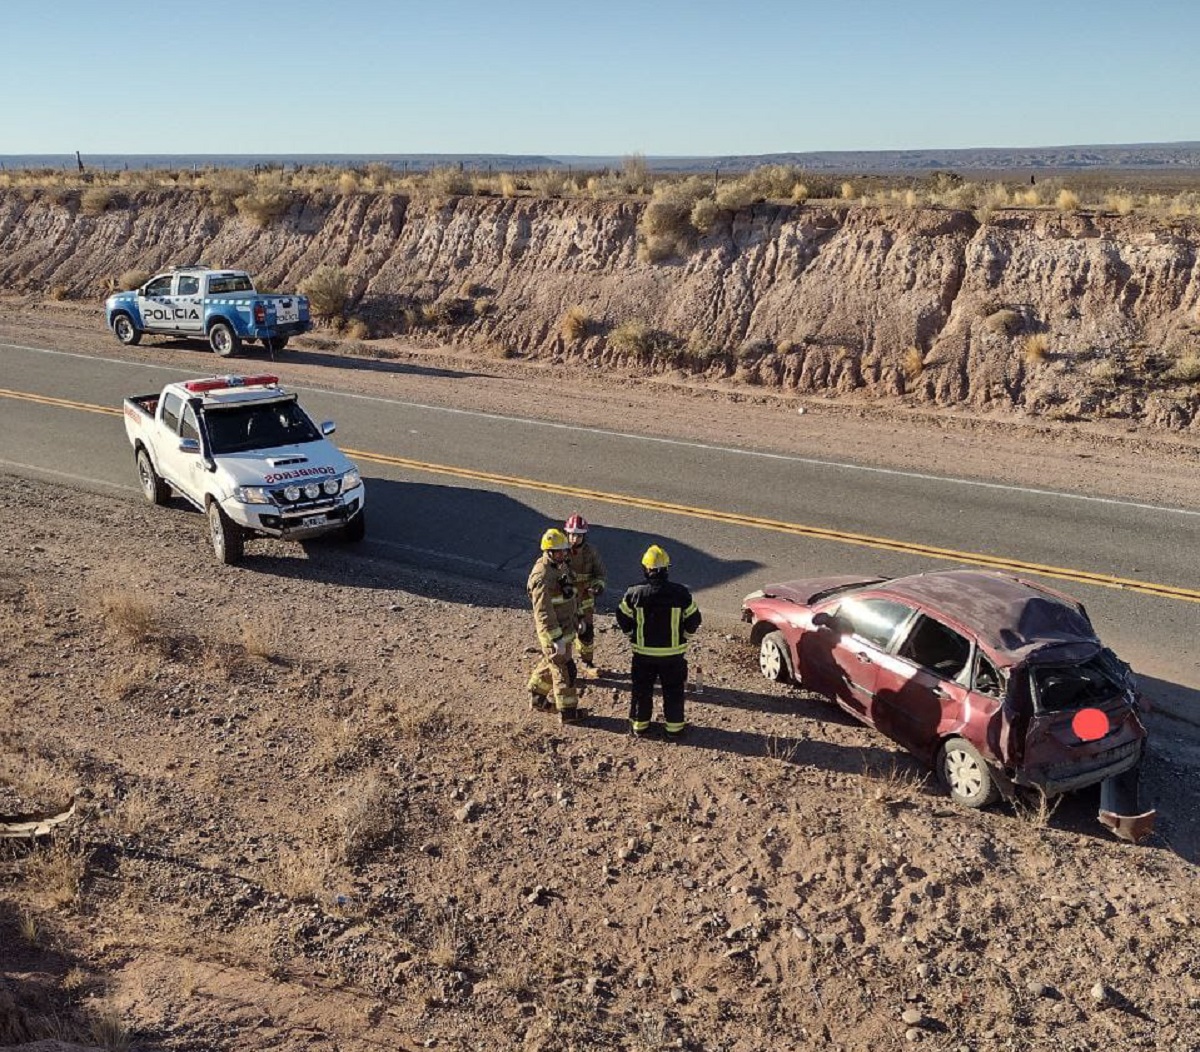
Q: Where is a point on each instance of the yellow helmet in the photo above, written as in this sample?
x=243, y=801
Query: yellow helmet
x=554, y=541
x=655, y=558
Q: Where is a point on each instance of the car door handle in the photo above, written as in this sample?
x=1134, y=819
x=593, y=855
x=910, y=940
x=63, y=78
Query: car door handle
x=864, y=657
x=937, y=692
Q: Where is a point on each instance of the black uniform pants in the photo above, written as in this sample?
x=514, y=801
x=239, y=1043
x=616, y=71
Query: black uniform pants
x=671, y=672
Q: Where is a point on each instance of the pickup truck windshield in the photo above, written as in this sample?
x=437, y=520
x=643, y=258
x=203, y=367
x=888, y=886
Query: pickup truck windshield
x=241, y=428
x=219, y=284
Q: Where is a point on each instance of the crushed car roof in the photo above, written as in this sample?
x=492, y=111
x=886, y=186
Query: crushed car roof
x=1011, y=617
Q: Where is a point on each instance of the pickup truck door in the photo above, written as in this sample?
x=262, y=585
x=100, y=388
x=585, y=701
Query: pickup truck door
x=177, y=421
x=156, y=304
x=188, y=309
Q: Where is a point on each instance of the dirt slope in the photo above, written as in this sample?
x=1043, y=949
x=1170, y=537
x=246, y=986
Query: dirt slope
x=901, y=305
x=319, y=815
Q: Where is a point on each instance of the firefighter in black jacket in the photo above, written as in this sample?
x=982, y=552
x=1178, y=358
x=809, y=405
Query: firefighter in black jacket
x=658, y=616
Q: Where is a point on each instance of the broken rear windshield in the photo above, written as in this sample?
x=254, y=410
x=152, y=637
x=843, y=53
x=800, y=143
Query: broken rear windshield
x=1064, y=688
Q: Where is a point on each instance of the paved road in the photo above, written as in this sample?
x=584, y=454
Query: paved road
x=471, y=492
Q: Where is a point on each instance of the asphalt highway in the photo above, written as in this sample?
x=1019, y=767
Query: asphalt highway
x=471, y=492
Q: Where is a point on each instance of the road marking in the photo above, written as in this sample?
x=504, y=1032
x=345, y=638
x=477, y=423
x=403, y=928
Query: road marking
x=714, y=515
x=707, y=447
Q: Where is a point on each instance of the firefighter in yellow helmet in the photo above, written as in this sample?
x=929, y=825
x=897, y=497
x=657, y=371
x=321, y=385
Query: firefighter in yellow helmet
x=588, y=568
x=551, y=588
x=659, y=617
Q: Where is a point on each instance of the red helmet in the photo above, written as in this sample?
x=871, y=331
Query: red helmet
x=576, y=524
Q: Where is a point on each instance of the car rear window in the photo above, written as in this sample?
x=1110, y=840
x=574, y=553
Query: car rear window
x=1064, y=688
x=874, y=620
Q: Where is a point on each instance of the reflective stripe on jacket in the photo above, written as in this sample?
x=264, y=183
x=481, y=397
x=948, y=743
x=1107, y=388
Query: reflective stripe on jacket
x=659, y=617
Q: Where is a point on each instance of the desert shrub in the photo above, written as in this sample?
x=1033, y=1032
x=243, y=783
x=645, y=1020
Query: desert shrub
x=347, y=183
x=733, y=196
x=59, y=292
x=705, y=213
x=1035, y=347
x=666, y=216
x=1106, y=372
x=449, y=182
x=95, y=200
x=1120, y=203
x=912, y=363
x=133, y=279
x=264, y=205
x=508, y=184
x=1004, y=321
x=1186, y=369
x=637, y=339
x=575, y=323
x=367, y=818
x=635, y=174
x=1067, y=201
x=800, y=193
x=1031, y=198
x=548, y=184
x=658, y=248
x=772, y=181
x=380, y=174
x=358, y=329
x=848, y=191
x=327, y=289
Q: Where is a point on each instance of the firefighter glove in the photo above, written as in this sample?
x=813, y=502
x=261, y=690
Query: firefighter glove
x=560, y=648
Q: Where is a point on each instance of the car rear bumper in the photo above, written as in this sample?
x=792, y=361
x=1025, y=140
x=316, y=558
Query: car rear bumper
x=1066, y=777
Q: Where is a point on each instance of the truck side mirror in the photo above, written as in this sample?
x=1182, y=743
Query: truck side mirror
x=189, y=445
x=328, y=427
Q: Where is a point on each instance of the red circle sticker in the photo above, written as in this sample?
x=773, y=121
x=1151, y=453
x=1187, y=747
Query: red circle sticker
x=1090, y=724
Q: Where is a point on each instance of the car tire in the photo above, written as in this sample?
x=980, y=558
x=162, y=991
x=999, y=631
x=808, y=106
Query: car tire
x=773, y=659
x=228, y=538
x=125, y=331
x=966, y=774
x=223, y=340
x=154, y=489
x=356, y=529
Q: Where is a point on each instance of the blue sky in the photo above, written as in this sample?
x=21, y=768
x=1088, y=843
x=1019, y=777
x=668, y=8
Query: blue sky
x=613, y=77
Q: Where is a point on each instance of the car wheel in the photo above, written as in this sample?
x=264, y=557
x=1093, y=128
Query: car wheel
x=965, y=774
x=153, y=488
x=356, y=529
x=223, y=340
x=126, y=332
x=228, y=540
x=773, y=661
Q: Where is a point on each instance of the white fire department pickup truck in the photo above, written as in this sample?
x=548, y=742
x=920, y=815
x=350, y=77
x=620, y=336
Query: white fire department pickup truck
x=242, y=450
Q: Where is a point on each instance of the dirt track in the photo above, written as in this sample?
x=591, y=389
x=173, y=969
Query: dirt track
x=319, y=815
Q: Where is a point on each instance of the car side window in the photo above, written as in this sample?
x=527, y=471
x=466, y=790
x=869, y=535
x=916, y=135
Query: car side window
x=160, y=286
x=187, y=426
x=987, y=677
x=873, y=620
x=172, y=404
x=189, y=285
x=937, y=647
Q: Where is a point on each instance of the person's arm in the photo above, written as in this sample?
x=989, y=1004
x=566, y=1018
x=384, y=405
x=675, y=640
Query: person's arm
x=626, y=620
x=691, y=616
x=544, y=617
x=599, y=575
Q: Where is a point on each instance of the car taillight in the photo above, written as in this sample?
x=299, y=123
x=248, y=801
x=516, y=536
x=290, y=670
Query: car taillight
x=260, y=314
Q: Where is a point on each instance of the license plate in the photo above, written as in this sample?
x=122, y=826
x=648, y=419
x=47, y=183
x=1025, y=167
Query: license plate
x=313, y=520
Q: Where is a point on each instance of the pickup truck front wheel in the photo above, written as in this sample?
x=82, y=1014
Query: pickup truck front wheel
x=223, y=340
x=228, y=540
x=153, y=488
x=126, y=332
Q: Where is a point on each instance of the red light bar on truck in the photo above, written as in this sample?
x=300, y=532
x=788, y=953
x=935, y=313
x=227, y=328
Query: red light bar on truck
x=220, y=383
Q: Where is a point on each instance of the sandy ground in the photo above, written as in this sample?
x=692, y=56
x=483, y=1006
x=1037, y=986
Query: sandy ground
x=315, y=812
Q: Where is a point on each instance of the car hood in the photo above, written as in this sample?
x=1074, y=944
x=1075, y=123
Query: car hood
x=282, y=465
x=804, y=590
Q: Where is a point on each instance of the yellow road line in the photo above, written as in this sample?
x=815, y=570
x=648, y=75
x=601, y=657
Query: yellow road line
x=713, y=515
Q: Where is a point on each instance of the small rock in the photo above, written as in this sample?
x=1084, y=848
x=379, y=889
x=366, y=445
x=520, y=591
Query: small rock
x=678, y=995
x=1099, y=993
x=592, y=986
x=1037, y=988
x=643, y=980
x=913, y=1034
x=924, y=970
x=912, y=1017
x=468, y=812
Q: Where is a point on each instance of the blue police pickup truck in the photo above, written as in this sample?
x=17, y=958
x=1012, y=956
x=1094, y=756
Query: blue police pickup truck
x=220, y=306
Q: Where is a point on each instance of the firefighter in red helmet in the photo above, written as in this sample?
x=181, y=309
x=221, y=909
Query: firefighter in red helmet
x=588, y=568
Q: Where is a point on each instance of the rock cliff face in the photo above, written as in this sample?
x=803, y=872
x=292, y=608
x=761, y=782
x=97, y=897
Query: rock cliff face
x=925, y=305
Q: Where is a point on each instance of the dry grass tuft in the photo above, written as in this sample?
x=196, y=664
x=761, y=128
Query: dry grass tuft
x=304, y=876
x=264, y=205
x=327, y=289
x=1067, y=201
x=133, y=279
x=57, y=873
x=1035, y=347
x=108, y=1030
x=912, y=363
x=358, y=329
x=367, y=818
x=29, y=929
x=95, y=200
x=1186, y=370
x=129, y=616
x=262, y=637
x=58, y=293
x=575, y=324
x=1037, y=811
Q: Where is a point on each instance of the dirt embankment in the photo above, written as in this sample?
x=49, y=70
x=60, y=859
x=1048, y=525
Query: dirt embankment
x=1070, y=316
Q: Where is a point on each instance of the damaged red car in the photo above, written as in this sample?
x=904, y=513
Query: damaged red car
x=998, y=683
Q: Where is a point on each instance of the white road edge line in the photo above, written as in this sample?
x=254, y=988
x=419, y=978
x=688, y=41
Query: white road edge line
x=684, y=443
x=34, y=469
